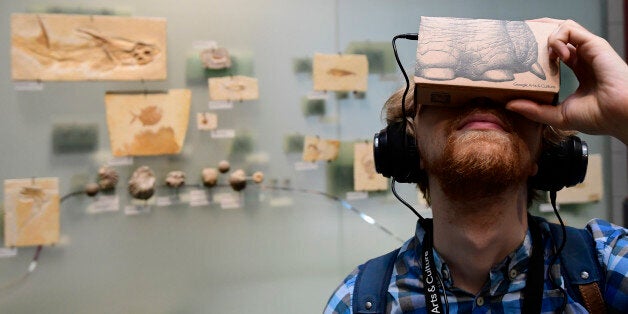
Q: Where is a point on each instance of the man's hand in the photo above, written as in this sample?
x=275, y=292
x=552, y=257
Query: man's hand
x=600, y=104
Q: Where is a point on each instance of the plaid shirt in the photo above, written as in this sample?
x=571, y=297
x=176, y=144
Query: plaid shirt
x=502, y=293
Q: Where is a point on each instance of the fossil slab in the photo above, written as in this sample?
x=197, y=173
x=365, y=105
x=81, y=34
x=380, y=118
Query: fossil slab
x=145, y=124
x=365, y=177
x=233, y=88
x=31, y=212
x=340, y=72
x=206, y=121
x=63, y=47
x=315, y=149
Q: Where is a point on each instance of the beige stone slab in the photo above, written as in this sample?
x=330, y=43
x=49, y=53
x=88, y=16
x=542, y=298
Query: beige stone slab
x=147, y=123
x=365, y=177
x=206, y=121
x=64, y=47
x=316, y=149
x=31, y=212
x=340, y=72
x=233, y=88
x=590, y=190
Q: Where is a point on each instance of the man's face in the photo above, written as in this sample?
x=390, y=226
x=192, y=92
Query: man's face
x=478, y=149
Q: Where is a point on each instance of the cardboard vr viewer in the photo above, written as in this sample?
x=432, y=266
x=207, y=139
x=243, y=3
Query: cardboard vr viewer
x=460, y=59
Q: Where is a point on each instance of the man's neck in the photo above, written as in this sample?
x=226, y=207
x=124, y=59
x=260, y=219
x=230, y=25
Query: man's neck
x=474, y=235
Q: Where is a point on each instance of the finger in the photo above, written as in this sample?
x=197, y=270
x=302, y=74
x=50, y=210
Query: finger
x=570, y=32
x=542, y=113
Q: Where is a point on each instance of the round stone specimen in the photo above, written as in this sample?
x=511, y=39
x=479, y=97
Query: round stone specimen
x=91, y=189
x=224, y=166
x=175, y=179
x=142, y=183
x=107, y=178
x=258, y=177
x=210, y=177
x=237, y=180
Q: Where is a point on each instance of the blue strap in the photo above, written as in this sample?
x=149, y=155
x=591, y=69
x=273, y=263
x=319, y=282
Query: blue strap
x=578, y=256
x=371, y=285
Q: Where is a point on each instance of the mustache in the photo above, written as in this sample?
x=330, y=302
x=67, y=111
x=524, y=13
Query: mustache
x=484, y=106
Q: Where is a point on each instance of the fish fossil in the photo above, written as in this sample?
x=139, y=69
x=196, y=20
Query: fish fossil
x=150, y=115
x=100, y=51
x=339, y=72
x=234, y=86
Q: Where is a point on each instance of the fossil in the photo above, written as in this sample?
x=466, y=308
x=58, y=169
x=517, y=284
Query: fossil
x=216, y=58
x=209, y=176
x=175, y=179
x=237, y=180
x=107, y=178
x=488, y=50
x=142, y=183
x=234, y=86
x=339, y=72
x=224, y=166
x=101, y=51
x=91, y=189
x=258, y=177
x=150, y=115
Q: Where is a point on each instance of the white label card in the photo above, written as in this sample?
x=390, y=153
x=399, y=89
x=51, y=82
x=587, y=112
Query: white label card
x=305, y=166
x=224, y=133
x=104, y=203
x=28, y=86
x=120, y=161
x=8, y=252
x=198, y=198
x=220, y=105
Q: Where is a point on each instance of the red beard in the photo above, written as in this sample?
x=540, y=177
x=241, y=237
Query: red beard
x=480, y=164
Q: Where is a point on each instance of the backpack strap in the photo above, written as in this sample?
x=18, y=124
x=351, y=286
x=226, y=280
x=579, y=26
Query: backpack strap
x=371, y=285
x=580, y=267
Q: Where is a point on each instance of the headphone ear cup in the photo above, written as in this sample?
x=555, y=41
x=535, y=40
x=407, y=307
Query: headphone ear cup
x=396, y=154
x=561, y=165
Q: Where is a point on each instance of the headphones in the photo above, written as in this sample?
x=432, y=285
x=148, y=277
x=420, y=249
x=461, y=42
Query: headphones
x=397, y=156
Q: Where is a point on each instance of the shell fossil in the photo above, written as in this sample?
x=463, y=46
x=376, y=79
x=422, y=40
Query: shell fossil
x=142, y=183
x=237, y=180
x=209, y=176
x=107, y=178
x=175, y=179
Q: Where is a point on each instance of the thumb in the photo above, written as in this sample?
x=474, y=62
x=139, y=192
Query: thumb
x=542, y=113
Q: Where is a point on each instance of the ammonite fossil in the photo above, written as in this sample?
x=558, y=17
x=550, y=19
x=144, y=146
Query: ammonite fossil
x=107, y=178
x=209, y=176
x=237, y=180
x=175, y=179
x=142, y=183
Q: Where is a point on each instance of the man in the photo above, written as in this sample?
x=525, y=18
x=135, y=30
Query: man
x=476, y=160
